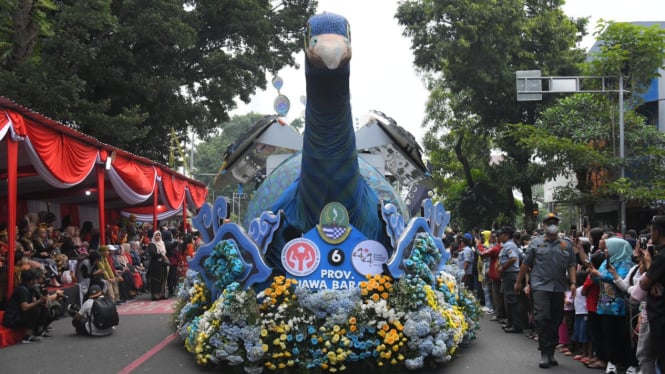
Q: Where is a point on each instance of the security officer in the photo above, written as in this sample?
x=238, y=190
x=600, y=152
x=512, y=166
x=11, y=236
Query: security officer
x=509, y=267
x=551, y=263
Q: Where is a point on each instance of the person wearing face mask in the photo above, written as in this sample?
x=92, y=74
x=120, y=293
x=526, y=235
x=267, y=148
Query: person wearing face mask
x=550, y=261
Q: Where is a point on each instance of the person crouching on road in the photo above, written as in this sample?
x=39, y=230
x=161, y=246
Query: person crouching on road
x=27, y=308
x=82, y=319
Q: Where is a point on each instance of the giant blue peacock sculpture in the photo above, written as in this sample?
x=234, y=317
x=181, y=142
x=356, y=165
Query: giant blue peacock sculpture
x=329, y=273
x=329, y=168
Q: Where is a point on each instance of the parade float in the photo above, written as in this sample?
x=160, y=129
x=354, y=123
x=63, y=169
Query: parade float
x=331, y=270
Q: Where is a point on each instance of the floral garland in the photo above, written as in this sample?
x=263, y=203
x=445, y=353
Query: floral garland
x=398, y=324
x=224, y=263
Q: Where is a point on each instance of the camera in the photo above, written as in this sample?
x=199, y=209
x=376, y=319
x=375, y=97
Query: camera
x=643, y=241
x=72, y=309
x=63, y=298
x=40, y=290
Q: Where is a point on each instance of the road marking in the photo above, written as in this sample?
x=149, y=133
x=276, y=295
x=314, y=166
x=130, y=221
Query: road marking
x=146, y=356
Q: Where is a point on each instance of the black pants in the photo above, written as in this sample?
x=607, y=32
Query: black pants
x=497, y=299
x=35, y=319
x=547, y=314
x=616, y=340
x=172, y=279
x=596, y=334
x=510, y=300
x=80, y=325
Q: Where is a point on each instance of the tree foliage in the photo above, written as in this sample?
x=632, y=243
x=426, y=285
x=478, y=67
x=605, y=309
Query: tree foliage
x=127, y=72
x=632, y=51
x=580, y=134
x=471, y=50
x=208, y=156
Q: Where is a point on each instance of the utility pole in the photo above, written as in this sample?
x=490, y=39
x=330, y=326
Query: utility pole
x=530, y=88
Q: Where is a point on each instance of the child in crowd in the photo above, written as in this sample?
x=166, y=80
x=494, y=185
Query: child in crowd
x=565, y=329
x=580, y=332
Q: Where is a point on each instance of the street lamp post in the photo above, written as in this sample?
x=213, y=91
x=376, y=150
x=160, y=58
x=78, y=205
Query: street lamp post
x=530, y=88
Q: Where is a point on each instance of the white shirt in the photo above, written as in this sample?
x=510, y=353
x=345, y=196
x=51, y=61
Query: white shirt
x=86, y=312
x=580, y=302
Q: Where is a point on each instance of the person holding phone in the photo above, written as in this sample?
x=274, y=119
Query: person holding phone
x=652, y=283
x=612, y=306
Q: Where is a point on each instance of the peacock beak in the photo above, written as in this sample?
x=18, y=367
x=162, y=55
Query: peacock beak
x=329, y=51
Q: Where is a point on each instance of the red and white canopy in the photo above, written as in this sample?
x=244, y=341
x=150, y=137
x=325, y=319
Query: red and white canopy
x=43, y=160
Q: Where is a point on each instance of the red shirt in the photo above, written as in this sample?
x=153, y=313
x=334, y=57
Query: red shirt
x=592, y=291
x=493, y=254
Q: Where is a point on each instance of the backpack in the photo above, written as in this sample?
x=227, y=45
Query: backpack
x=104, y=313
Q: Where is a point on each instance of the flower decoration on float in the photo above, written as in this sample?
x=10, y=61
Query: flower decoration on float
x=405, y=323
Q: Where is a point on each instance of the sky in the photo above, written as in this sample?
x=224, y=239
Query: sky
x=382, y=74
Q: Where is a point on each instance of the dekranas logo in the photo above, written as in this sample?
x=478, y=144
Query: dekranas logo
x=301, y=257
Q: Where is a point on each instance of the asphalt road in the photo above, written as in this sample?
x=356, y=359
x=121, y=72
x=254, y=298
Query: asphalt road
x=143, y=343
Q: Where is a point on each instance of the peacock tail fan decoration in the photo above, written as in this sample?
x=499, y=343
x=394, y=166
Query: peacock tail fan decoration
x=330, y=272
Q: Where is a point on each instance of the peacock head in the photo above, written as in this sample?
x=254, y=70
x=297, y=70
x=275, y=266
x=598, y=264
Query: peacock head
x=328, y=41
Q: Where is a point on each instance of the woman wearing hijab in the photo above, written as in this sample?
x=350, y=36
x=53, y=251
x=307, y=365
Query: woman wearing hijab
x=612, y=305
x=159, y=243
x=156, y=272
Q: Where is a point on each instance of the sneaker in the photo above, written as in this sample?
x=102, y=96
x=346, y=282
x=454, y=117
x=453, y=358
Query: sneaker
x=610, y=368
x=489, y=311
x=47, y=334
x=30, y=339
x=632, y=370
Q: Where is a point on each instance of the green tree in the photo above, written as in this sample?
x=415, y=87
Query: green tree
x=632, y=51
x=580, y=134
x=209, y=154
x=127, y=72
x=21, y=24
x=471, y=50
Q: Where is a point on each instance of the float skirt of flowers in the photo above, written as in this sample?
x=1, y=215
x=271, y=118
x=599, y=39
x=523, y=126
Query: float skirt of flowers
x=385, y=323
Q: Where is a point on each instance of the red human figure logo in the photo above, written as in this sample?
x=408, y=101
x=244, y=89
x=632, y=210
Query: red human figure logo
x=300, y=258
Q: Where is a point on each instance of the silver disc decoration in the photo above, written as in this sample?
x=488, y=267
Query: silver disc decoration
x=281, y=105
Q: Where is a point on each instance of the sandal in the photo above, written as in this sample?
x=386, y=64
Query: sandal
x=568, y=353
x=596, y=365
x=578, y=357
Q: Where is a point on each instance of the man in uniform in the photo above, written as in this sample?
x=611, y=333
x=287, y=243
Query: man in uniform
x=509, y=266
x=551, y=261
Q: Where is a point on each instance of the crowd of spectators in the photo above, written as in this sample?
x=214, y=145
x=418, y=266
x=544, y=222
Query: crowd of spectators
x=612, y=316
x=135, y=259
